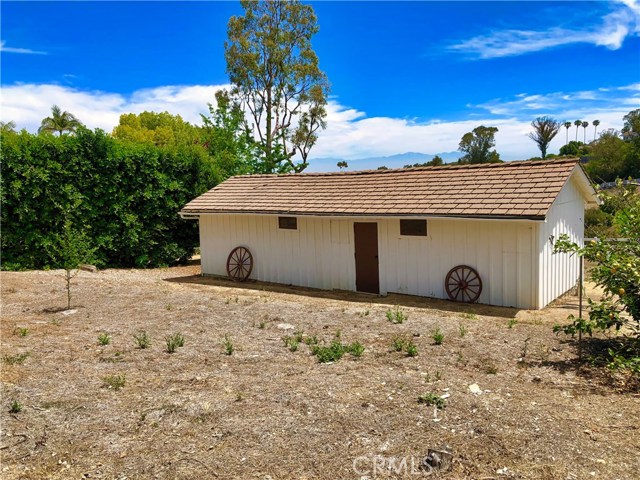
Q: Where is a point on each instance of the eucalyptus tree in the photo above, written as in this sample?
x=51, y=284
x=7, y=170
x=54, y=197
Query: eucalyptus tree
x=544, y=130
x=477, y=145
x=59, y=121
x=276, y=76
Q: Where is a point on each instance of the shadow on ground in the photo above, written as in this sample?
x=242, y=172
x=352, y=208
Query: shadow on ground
x=391, y=299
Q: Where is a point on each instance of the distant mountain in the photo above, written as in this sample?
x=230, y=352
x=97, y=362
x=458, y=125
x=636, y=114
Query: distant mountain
x=328, y=164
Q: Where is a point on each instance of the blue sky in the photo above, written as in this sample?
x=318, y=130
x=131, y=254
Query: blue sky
x=405, y=76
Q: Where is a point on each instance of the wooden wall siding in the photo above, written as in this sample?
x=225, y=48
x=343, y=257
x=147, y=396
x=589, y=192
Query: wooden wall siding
x=320, y=254
x=503, y=253
x=559, y=272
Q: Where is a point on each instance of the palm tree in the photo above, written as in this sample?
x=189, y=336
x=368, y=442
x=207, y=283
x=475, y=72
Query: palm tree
x=578, y=124
x=59, y=121
x=585, y=125
x=567, y=125
x=595, y=128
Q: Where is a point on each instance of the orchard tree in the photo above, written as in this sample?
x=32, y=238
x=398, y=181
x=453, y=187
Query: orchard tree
x=544, y=130
x=59, y=122
x=476, y=146
x=616, y=268
x=276, y=75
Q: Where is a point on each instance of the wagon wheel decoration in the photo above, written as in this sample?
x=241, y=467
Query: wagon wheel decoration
x=239, y=264
x=463, y=284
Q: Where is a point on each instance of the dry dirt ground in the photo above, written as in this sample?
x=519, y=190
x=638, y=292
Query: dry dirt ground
x=267, y=412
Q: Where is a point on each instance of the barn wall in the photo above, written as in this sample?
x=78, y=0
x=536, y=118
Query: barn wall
x=559, y=272
x=503, y=253
x=320, y=254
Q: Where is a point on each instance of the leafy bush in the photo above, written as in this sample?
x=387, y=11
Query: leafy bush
x=617, y=270
x=124, y=196
x=116, y=382
x=174, y=341
x=104, y=339
x=433, y=399
x=396, y=316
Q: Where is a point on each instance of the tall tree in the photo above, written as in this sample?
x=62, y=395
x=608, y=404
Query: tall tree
x=161, y=129
x=9, y=126
x=567, y=125
x=276, y=75
x=631, y=128
x=477, y=146
x=544, y=130
x=595, y=128
x=578, y=124
x=584, y=126
x=59, y=121
x=227, y=136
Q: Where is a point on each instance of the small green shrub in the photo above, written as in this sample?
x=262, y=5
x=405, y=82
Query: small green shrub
x=17, y=359
x=142, y=339
x=463, y=330
x=398, y=344
x=262, y=325
x=104, y=339
x=174, y=341
x=227, y=344
x=411, y=349
x=298, y=336
x=438, y=336
x=356, y=349
x=21, y=332
x=433, y=399
x=115, y=382
x=469, y=316
x=396, y=316
x=334, y=352
x=311, y=340
x=512, y=322
x=15, y=407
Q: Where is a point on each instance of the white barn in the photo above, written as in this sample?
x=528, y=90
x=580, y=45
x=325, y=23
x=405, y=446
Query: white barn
x=473, y=233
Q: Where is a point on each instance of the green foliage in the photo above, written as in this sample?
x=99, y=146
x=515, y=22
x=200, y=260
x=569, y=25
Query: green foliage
x=228, y=138
x=436, y=161
x=575, y=149
x=161, y=129
x=512, y=323
x=398, y=344
x=433, y=399
x=115, y=382
x=104, y=339
x=411, y=349
x=142, y=339
x=463, y=330
x=275, y=73
x=476, y=146
x=401, y=344
x=437, y=335
x=59, y=122
x=17, y=359
x=291, y=343
x=21, y=331
x=124, y=197
x=617, y=270
x=15, y=407
x=332, y=353
x=544, y=130
x=174, y=341
x=396, y=316
x=356, y=349
x=597, y=223
x=227, y=344
x=342, y=165
x=611, y=157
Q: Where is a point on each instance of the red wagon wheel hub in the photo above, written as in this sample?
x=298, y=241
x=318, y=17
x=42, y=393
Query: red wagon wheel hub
x=239, y=264
x=463, y=284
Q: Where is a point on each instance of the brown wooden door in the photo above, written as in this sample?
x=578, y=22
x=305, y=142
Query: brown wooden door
x=366, y=251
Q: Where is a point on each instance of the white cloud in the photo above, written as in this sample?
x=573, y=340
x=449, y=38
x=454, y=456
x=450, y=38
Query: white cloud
x=28, y=51
x=350, y=134
x=623, y=21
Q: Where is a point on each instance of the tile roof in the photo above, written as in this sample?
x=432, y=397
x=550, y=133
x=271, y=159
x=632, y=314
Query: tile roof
x=515, y=189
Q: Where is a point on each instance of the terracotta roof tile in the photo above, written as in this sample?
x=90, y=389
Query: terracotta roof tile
x=515, y=189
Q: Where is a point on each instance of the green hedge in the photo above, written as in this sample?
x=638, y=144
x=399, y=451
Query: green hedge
x=124, y=196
